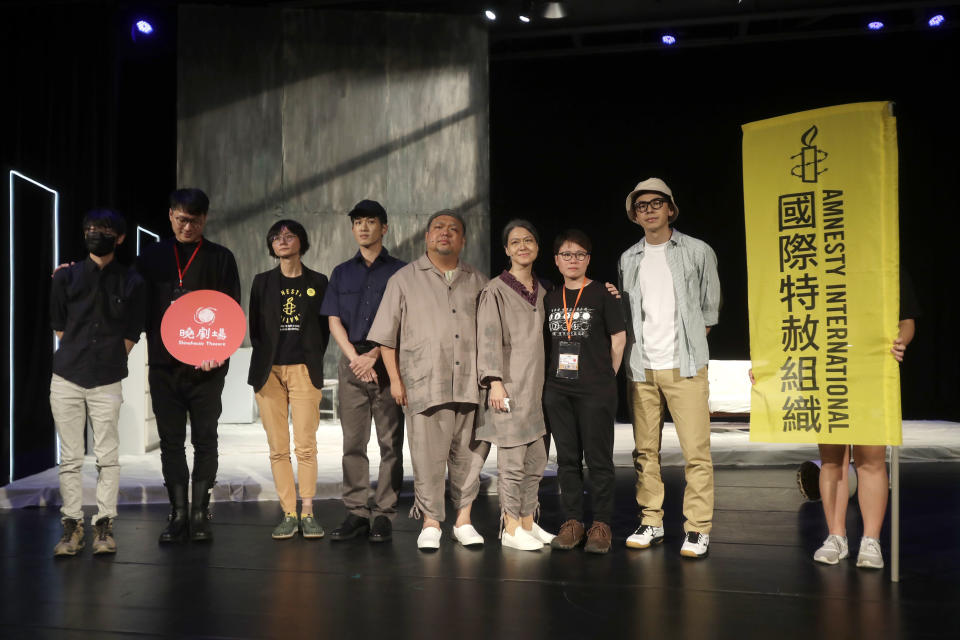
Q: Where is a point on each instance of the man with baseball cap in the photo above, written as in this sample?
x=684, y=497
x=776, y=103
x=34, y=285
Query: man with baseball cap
x=673, y=296
x=427, y=329
x=351, y=302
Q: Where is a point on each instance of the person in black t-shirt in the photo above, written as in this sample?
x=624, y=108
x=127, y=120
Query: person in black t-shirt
x=289, y=337
x=96, y=310
x=587, y=335
x=171, y=268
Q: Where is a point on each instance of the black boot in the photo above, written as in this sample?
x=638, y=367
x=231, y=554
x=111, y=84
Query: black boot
x=177, y=526
x=200, y=512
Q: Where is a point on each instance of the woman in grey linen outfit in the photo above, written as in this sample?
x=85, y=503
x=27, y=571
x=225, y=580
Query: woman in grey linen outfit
x=510, y=364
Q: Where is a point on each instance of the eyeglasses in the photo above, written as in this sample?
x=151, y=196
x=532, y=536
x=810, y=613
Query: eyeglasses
x=101, y=230
x=183, y=221
x=286, y=238
x=568, y=255
x=516, y=242
x=641, y=205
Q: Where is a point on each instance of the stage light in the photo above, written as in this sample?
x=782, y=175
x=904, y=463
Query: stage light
x=876, y=25
x=668, y=39
x=524, y=19
x=143, y=231
x=936, y=20
x=143, y=27
x=491, y=16
x=554, y=11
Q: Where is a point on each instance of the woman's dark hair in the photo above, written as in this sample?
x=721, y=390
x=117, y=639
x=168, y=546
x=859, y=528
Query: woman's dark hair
x=523, y=224
x=192, y=202
x=105, y=218
x=572, y=235
x=293, y=227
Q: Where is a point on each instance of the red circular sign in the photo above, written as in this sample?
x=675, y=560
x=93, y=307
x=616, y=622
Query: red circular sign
x=203, y=325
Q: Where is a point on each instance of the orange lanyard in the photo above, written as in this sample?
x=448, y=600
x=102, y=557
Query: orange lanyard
x=183, y=272
x=568, y=315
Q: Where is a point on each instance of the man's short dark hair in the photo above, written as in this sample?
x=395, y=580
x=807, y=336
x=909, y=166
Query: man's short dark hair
x=572, y=235
x=519, y=223
x=193, y=202
x=293, y=227
x=106, y=218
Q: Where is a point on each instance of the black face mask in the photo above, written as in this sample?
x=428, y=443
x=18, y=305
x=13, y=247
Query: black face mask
x=100, y=244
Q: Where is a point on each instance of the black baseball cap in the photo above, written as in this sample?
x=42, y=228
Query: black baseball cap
x=369, y=209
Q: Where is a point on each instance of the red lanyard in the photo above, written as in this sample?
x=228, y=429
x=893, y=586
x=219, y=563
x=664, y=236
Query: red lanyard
x=183, y=272
x=568, y=316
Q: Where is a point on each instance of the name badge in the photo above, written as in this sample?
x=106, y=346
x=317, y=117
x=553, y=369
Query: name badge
x=568, y=363
x=178, y=292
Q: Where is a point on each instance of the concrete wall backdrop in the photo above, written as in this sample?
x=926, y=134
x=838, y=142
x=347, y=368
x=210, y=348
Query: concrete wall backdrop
x=299, y=114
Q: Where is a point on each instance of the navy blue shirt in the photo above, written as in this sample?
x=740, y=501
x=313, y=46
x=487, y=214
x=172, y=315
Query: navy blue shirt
x=355, y=292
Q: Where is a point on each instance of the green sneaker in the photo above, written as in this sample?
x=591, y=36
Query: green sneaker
x=309, y=527
x=286, y=529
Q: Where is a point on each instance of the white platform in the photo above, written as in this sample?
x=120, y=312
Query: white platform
x=245, y=470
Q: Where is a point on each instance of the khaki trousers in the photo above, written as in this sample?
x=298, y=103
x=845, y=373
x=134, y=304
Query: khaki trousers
x=520, y=470
x=442, y=440
x=289, y=385
x=71, y=404
x=360, y=402
x=687, y=399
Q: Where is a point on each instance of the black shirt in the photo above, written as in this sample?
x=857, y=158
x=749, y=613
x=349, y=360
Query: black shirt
x=290, y=300
x=96, y=309
x=909, y=307
x=214, y=267
x=596, y=317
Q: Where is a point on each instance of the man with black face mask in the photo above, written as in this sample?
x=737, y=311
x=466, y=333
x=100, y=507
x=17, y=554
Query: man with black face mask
x=96, y=310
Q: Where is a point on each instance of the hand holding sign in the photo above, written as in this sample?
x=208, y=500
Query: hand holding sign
x=203, y=328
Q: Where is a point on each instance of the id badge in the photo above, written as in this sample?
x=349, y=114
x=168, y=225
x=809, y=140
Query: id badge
x=568, y=363
x=178, y=292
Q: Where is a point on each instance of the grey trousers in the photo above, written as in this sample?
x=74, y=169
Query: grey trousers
x=520, y=470
x=442, y=440
x=71, y=404
x=361, y=402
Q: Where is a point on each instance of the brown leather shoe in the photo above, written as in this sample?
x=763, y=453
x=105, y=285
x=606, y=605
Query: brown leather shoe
x=571, y=535
x=599, y=538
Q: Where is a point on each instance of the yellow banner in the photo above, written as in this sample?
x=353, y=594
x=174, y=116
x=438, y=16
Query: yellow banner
x=820, y=196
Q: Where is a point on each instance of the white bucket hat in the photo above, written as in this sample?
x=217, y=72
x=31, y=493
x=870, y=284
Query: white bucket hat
x=657, y=186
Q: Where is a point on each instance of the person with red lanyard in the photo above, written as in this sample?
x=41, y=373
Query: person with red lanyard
x=587, y=337
x=172, y=267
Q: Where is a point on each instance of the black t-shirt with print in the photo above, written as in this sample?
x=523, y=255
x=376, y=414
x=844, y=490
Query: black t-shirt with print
x=596, y=317
x=289, y=349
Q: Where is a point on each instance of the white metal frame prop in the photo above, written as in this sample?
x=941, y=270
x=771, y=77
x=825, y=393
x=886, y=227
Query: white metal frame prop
x=56, y=261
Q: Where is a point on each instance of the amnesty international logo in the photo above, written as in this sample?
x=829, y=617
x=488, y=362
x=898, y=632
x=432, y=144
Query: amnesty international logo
x=290, y=307
x=289, y=318
x=809, y=158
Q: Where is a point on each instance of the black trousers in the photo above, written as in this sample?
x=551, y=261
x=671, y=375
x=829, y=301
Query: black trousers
x=177, y=391
x=583, y=426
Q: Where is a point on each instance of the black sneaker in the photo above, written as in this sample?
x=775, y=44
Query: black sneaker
x=352, y=527
x=382, y=529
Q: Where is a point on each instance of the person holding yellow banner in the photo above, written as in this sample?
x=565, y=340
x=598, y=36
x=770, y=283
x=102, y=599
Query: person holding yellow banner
x=871, y=464
x=672, y=290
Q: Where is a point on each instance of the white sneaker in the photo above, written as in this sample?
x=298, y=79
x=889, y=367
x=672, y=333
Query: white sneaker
x=521, y=540
x=870, y=556
x=833, y=550
x=644, y=536
x=696, y=545
x=467, y=535
x=429, y=538
x=540, y=534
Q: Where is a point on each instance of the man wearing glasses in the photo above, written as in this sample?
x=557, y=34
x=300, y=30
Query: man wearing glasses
x=96, y=310
x=175, y=266
x=673, y=297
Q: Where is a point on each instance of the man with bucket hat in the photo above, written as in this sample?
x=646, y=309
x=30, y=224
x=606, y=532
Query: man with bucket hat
x=672, y=296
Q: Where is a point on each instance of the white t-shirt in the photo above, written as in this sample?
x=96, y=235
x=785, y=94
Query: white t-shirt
x=659, y=310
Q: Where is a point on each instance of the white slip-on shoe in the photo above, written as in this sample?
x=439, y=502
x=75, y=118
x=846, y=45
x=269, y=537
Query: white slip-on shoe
x=540, y=534
x=467, y=535
x=833, y=550
x=521, y=539
x=695, y=545
x=644, y=536
x=429, y=539
x=870, y=556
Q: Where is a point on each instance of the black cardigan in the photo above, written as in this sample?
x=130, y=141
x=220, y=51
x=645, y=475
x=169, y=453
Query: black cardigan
x=265, y=326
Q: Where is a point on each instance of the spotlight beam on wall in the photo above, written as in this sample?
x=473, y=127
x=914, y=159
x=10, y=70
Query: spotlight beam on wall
x=56, y=261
